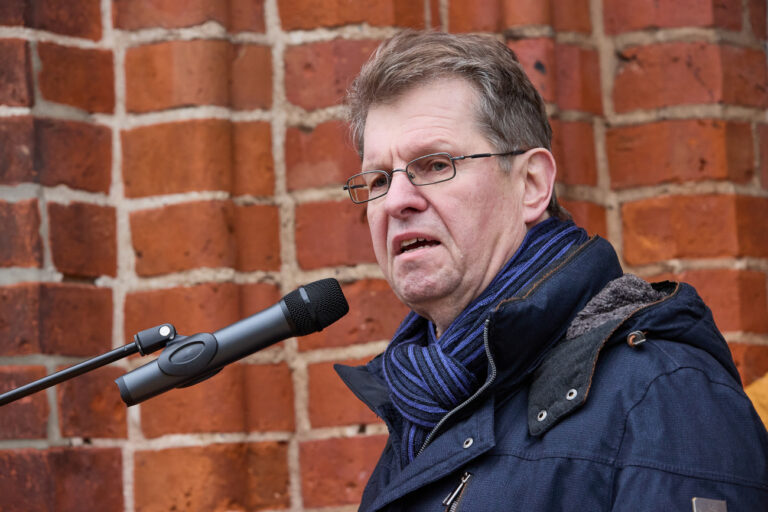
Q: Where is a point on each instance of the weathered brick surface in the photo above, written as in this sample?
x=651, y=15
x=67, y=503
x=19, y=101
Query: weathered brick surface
x=571, y=15
x=578, y=79
x=705, y=226
x=679, y=151
x=751, y=361
x=81, y=18
x=201, y=308
x=573, y=145
x=246, y=15
x=624, y=16
x=216, y=477
x=257, y=228
x=183, y=237
x=61, y=479
x=537, y=56
x=26, y=418
x=83, y=239
x=331, y=403
x=318, y=74
x=309, y=14
x=90, y=405
x=17, y=150
x=136, y=14
x=318, y=247
x=334, y=471
x=253, y=168
x=588, y=215
x=75, y=154
x=475, y=16
x=250, y=82
x=75, y=319
x=82, y=78
x=19, y=319
x=757, y=18
x=526, y=12
x=192, y=155
x=20, y=243
x=15, y=77
x=319, y=157
x=12, y=12
x=374, y=314
x=762, y=134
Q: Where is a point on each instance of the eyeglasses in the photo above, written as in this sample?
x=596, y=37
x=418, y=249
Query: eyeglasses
x=425, y=170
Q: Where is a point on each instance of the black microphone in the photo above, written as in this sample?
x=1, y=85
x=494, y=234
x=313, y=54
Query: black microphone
x=188, y=360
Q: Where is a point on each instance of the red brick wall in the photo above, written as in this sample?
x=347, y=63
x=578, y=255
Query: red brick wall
x=180, y=161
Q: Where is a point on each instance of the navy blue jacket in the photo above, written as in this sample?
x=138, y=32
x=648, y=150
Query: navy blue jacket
x=642, y=412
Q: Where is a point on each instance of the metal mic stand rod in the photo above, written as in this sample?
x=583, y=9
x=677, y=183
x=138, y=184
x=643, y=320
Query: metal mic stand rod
x=145, y=342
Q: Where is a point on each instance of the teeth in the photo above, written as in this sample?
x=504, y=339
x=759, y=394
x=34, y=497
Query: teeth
x=407, y=243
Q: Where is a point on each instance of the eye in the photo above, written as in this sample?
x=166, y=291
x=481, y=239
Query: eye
x=433, y=164
x=376, y=181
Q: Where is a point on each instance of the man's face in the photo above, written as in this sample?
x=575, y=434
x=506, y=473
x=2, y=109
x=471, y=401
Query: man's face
x=471, y=224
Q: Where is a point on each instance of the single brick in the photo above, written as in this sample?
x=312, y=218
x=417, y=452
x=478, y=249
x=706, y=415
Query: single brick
x=20, y=242
x=589, y=216
x=86, y=475
x=310, y=14
x=246, y=15
x=334, y=471
x=624, y=16
x=525, y=12
x=751, y=361
x=679, y=151
x=578, y=79
x=174, y=74
x=758, y=19
x=537, y=57
x=745, y=75
x=678, y=73
x=26, y=418
x=194, y=155
x=255, y=297
x=253, y=170
x=89, y=405
x=72, y=153
x=250, y=82
x=183, y=237
x=83, y=239
x=374, y=315
x=202, y=308
x=17, y=150
x=82, y=78
x=737, y=298
x=347, y=243
x=13, y=12
x=318, y=74
x=573, y=145
x=215, y=477
x=26, y=484
x=20, y=319
x=571, y=16
x=15, y=73
x=62, y=17
x=331, y=403
x=268, y=397
x=319, y=157
x=136, y=14
x=705, y=226
x=75, y=319
x=476, y=16
x=257, y=228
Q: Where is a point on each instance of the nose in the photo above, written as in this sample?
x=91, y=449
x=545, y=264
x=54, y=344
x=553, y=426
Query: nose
x=403, y=197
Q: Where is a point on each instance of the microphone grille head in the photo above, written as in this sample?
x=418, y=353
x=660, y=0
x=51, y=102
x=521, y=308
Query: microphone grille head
x=317, y=305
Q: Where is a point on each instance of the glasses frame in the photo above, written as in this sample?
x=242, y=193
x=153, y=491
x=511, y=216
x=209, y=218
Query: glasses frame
x=389, y=174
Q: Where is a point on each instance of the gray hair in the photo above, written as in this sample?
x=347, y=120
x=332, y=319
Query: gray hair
x=510, y=110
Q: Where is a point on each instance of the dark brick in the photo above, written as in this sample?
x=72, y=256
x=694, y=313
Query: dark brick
x=15, y=73
x=20, y=241
x=75, y=319
x=26, y=418
x=83, y=239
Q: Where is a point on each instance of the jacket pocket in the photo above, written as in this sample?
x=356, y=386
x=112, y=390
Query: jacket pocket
x=453, y=500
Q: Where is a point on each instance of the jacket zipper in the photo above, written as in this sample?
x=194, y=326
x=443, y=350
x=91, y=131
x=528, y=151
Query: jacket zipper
x=469, y=400
x=451, y=502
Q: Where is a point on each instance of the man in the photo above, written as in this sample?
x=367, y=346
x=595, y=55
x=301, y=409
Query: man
x=531, y=373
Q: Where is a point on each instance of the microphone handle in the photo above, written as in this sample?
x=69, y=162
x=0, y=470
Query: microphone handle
x=193, y=358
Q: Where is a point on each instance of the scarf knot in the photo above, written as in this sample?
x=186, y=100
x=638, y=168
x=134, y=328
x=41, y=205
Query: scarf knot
x=429, y=376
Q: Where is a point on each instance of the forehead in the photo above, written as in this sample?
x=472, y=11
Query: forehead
x=438, y=116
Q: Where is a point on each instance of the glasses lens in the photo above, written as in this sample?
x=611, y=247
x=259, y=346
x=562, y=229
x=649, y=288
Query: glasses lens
x=431, y=169
x=368, y=185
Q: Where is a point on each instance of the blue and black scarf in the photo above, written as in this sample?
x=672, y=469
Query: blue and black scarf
x=428, y=376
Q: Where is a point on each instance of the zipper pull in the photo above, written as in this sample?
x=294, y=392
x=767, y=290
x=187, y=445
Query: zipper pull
x=448, y=501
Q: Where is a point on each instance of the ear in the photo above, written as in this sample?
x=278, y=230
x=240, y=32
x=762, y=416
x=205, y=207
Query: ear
x=539, y=170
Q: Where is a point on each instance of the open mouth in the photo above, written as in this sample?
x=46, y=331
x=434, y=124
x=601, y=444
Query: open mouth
x=416, y=243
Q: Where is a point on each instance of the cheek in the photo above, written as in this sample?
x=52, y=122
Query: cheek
x=377, y=227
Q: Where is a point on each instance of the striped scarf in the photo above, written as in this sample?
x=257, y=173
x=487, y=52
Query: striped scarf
x=428, y=376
